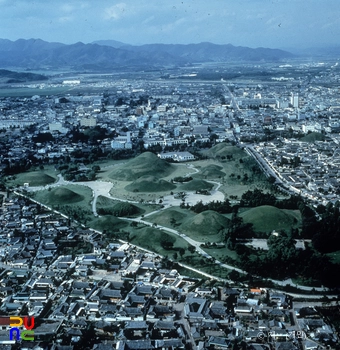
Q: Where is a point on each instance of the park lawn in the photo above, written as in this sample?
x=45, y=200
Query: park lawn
x=227, y=171
x=110, y=225
x=106, y=167
x=220, y=253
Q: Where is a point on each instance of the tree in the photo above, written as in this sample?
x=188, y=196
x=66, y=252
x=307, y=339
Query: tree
x=181, y=251
x=192, y=249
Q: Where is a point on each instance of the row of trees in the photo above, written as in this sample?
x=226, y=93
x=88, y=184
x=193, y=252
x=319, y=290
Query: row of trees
x=218, y=206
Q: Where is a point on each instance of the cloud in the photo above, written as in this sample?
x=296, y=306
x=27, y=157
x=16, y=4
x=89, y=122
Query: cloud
x=65, y=19
x=67, y=8
x=148, y=20
x=115, y=12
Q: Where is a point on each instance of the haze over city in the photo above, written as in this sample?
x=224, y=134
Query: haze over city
x=256, y=23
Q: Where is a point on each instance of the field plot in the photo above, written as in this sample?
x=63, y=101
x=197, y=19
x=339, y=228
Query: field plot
x=29, y=92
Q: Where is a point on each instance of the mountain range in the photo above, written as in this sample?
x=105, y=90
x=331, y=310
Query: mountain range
x=36, y=53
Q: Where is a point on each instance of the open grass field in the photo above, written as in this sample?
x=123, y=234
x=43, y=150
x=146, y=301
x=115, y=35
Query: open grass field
x=211, y=171
x=220, y=252
x=29, y=92
x=35, y=177
x=267, y=218
x=108, y=223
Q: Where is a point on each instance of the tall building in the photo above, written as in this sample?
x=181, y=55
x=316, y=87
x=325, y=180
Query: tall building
x=294, y=100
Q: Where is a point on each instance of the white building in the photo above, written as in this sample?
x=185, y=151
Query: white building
x=177, y=156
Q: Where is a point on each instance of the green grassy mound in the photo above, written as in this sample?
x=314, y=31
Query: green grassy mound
x=35, y=178
x=108, y=223
x=313, y=136
x=196, y=185
x=145, y=164
x=61, y=196
x=205, y=224
x=212, y=171
x=149, y=183
x=121, y=209
x=224, y=150
x=267, y=218
x=169, y=217
x=153, y=239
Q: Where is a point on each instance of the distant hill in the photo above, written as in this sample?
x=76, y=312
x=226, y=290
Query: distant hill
x=34, y=53
x=114, y=43
x=146, y=163
x=205, y=52
x=7, y=76
x=103, y=54
x=317, y=52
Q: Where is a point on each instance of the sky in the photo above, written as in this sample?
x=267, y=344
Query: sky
x=252, y=23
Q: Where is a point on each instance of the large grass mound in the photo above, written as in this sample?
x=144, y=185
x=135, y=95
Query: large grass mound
x=170, y=217
x=267, y=218
x=224, y=150
x=108, y=223
x=61, y=196
x=34, y=178
x=149, y=183
x=206, y=224
x=121, y=209
x=145, y=164
x=212, y=171
x=196, y=185
x=153, y=239
x=313, y=136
